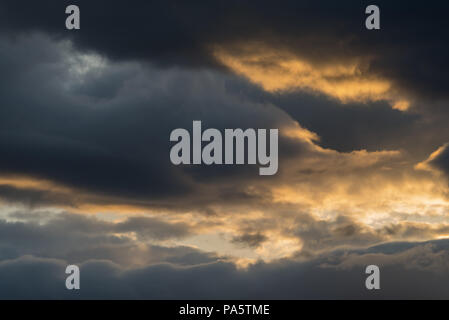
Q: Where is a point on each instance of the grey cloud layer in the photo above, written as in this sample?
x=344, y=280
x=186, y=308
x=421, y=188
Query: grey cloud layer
x=405, y=273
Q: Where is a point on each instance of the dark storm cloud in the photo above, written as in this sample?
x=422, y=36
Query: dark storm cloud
x=105, y=130
x=354, y=126
x=415, y=270
x=408, y=49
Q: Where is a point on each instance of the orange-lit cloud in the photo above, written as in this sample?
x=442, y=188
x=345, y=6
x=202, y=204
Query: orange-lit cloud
x=322, y=199
x=280, y=70
x=426, y=164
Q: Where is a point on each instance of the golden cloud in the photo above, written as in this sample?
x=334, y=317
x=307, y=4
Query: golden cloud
x=426, y=164
x=279, y=70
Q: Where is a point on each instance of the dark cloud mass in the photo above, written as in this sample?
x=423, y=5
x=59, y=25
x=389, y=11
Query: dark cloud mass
x=115, y=144
x=181, y=33
x=250, y=239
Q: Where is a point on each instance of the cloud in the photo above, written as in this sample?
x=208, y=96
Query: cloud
x=416, y=271
x=250, y=239
x=153, y=228
x=106, y=152
x=283, y=71
x=85, y=175
x=176, y=34
x=438, y=161
x=111, y=148
x=78, y=238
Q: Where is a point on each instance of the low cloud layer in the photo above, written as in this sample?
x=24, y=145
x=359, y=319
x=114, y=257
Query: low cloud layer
x=415, y=271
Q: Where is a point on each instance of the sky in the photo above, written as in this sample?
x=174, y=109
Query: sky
x=86, y=176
